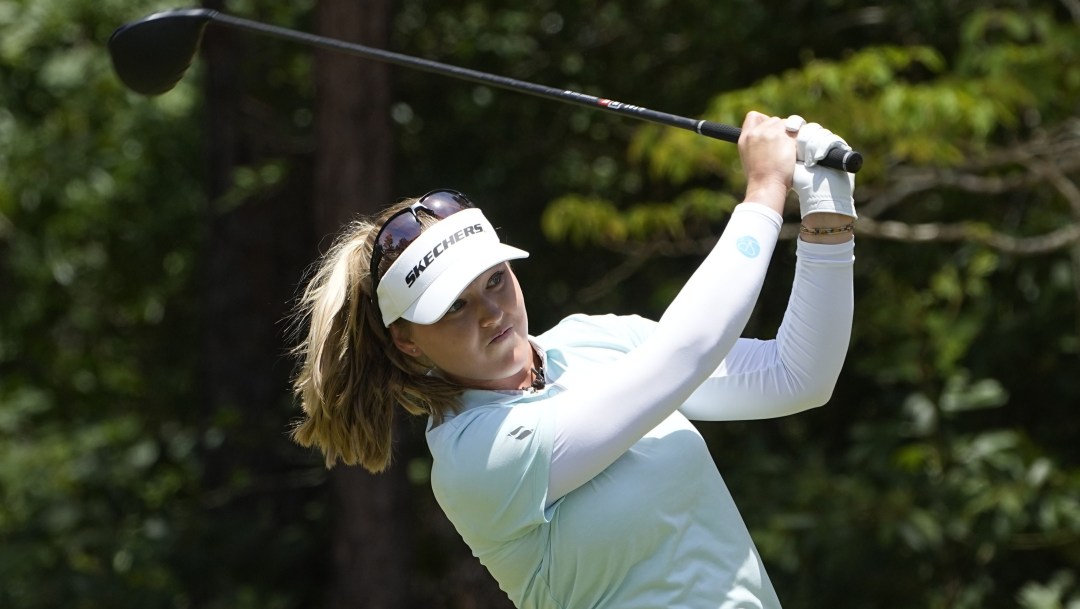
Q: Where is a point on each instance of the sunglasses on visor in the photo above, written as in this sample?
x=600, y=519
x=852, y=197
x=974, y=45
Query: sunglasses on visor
x=402, y=228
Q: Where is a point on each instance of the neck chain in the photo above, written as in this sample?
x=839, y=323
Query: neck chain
x=539, y=380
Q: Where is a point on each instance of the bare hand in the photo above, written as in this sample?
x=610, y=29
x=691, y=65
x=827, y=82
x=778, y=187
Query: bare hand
x=767, y=151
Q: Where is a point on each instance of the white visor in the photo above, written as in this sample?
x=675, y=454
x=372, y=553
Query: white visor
x=433, y=270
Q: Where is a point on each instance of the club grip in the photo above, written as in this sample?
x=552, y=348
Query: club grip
x=845, y=160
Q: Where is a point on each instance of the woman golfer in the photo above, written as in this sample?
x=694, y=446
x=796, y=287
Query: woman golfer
x=567, y=460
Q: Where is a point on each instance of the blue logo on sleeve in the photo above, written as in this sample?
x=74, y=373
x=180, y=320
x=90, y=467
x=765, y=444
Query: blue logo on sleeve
x=748, y=246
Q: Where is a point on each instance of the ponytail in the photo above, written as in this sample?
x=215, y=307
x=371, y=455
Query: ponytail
x=352, y=377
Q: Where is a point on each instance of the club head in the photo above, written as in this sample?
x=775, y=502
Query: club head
x=152, y=54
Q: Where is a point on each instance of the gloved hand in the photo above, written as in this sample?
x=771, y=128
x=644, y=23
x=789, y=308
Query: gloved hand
x=820, y=189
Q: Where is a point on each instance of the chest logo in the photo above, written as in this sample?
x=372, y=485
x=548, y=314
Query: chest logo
x=520, y=433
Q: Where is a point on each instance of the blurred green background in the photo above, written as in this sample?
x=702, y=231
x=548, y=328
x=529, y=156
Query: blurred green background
x=151, y=248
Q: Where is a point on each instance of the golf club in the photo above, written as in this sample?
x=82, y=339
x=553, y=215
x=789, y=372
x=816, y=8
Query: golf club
x=152, y=54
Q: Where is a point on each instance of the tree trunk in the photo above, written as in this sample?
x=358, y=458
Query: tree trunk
x=353, y=163
x=354, y=148
x=255, y=251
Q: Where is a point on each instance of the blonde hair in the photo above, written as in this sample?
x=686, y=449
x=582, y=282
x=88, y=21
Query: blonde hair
x=352, y=377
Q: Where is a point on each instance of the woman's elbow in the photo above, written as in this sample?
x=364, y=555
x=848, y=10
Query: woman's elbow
x=813, y=384
x=815, y=392
x=819, y=398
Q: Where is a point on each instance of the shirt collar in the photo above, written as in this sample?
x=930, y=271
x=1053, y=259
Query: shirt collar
x=554, y=366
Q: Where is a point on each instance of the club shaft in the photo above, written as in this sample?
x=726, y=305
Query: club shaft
x=850, y=161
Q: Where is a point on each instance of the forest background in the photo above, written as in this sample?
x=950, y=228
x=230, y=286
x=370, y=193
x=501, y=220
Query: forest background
x=151, y=249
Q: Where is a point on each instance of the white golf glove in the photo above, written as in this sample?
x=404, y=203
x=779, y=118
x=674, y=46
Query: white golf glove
x=820, y=189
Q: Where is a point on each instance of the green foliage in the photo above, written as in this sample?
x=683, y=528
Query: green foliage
x=99, y=201
x=1058, y=593
x=582, y=220
x=898, y=104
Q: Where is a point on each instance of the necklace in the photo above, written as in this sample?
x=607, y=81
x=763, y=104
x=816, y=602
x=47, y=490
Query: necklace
x=539, y=381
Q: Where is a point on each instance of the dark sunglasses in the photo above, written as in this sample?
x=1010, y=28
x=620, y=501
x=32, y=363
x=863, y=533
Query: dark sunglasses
x=402, y=228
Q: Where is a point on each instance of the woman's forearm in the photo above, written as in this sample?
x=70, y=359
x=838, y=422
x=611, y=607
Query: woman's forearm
x=799, y=369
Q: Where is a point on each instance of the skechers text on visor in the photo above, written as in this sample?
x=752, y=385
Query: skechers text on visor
x=433, y=271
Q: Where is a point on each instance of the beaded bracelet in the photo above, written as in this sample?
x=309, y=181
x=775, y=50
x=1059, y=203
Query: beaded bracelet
x=828, y=230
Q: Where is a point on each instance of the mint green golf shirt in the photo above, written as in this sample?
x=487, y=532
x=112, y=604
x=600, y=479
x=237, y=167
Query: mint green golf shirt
x=656, y=529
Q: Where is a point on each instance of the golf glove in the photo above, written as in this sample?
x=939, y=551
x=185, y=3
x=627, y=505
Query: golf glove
x=820, y=189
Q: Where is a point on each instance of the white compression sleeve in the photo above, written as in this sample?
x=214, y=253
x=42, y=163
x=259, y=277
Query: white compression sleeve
x=596, y=422
x=761, y=379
